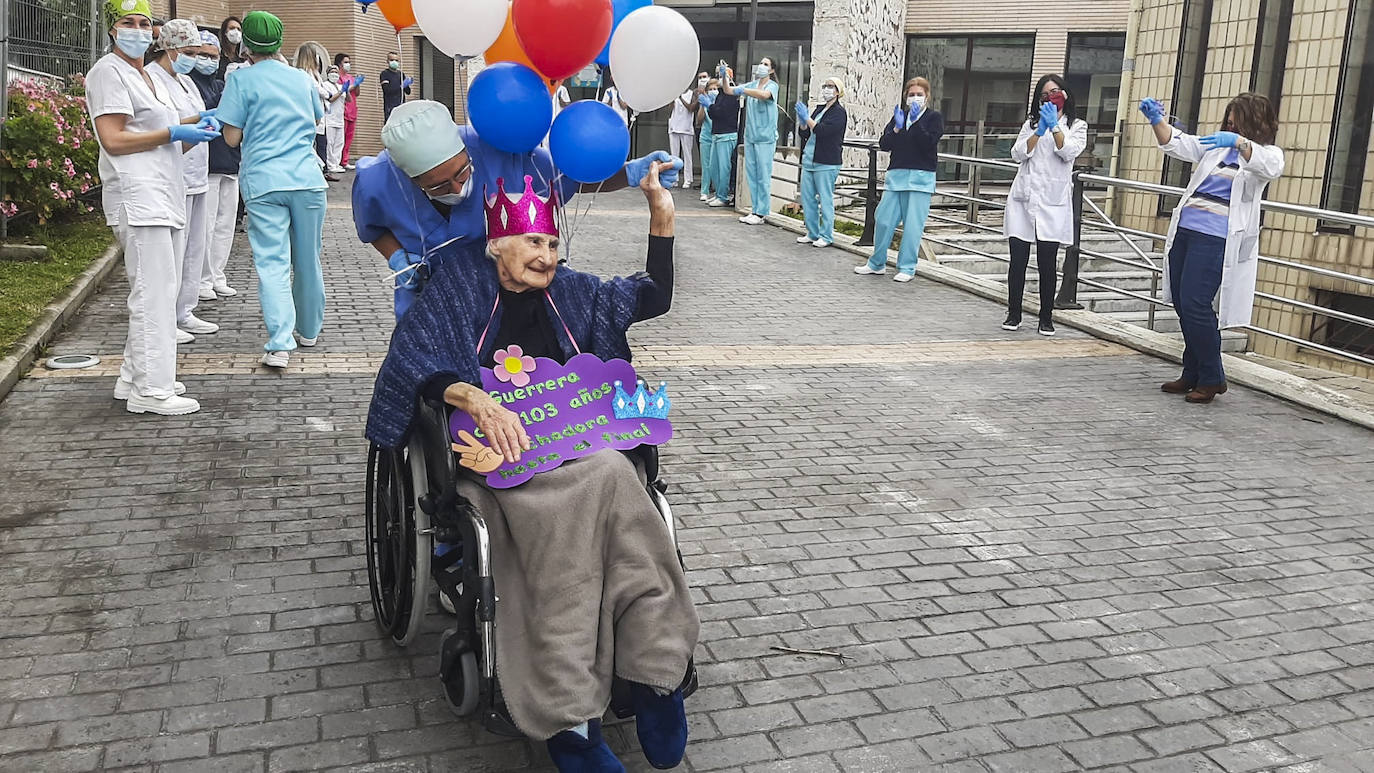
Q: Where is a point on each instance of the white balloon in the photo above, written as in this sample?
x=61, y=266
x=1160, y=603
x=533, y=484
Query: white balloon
x=654, y=54
x=461, y=28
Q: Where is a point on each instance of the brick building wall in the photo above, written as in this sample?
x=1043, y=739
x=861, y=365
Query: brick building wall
x=1312, y=70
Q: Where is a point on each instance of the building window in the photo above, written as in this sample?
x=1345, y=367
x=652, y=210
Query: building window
x=436, y=75
x=975, y=79
x=1350, y=123
x=1271, y=49
x=1093, y=71
x=1186, y=102
x=1340, y=333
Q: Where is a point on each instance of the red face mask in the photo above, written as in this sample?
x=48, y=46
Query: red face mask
x=1057, y=99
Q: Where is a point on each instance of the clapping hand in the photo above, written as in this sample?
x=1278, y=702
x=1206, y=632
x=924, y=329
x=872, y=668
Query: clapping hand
x=1219, y=140
x=802, y=118
x=405, y=84
x=912, y=114
x=358, y=81
x=899, y=118
x=1049, y=117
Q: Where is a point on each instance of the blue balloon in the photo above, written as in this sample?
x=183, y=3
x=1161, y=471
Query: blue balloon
x=510, y=107
x=620, y=9
x=589, y=142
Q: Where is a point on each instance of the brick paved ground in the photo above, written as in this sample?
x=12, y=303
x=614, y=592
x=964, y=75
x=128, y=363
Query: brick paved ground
x=1033, y=560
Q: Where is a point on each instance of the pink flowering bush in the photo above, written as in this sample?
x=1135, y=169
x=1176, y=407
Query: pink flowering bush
x=49, y=154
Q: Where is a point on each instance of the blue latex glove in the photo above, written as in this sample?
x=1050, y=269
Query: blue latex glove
x=802, y=120
x=400, y=259
x=899, y=117
x=720, y=72
x=358, y=81
x=912, y=114
x=1219, y=140
x=405, y=84
x=636, y=168
x=801, y=108
x=1153, y=110
x=707, y=100
x=193, y=135
x=208, y=113
x=1049, y=116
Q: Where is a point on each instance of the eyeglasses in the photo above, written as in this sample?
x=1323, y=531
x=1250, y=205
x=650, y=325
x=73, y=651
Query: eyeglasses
x=457, y=181
x=1051, y=92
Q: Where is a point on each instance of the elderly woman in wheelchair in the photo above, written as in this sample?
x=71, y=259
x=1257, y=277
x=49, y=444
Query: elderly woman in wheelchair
x=568, y=586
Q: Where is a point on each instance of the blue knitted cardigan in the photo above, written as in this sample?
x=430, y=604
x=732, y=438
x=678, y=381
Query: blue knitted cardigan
x=439, y=334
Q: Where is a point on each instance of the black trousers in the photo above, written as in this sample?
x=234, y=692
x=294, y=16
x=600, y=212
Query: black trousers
x=1046, y=255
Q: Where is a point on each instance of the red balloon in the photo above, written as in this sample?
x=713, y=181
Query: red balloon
x=562, y=36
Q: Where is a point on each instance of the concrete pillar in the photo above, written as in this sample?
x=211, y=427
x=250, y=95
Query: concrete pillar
x=864, y=43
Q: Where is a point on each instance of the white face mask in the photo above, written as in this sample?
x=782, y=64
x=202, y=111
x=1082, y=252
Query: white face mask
x=348, y=67
x=234, y=36
x=453, y=199
x=133, y=42
x=701, y=83
x=827, y=93
x=761, y=71
x=917, y=101
x=333, y=77
x=206, y=65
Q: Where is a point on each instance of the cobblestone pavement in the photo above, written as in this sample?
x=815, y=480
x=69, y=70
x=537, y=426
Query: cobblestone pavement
x=1031, y=558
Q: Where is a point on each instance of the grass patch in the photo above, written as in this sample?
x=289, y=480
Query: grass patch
x=26, y=288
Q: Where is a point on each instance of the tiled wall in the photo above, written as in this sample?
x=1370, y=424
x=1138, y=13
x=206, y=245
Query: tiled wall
x=1309, y=97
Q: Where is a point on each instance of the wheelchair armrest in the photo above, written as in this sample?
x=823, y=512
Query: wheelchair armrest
x=648, y=456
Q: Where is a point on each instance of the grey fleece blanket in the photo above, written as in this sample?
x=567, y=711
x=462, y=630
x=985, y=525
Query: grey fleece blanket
x=589, y=586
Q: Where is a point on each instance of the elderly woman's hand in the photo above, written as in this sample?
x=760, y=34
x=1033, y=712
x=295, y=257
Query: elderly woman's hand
x=661, y=213
x=500, y=426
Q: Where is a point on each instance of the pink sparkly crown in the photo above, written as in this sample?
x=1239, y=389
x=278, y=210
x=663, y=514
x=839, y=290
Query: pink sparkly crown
x=529, y=214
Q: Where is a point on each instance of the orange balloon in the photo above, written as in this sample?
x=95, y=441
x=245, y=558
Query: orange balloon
x=398, y=12
x=507, y=48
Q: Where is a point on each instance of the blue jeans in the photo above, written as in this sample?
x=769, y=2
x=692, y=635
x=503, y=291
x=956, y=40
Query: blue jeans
x=818, y=200
x=722, y=149
x=707, y=149
x=894, y=209
x=285, y=229
x=1195, y=264
x=758, y=164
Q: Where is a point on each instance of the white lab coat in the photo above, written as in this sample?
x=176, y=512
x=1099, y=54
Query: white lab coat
x=1240, y=262
x=1040, y=207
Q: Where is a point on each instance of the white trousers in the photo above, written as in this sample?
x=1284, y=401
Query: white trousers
x=333, y=145
x=221, y=204
x=682, y=145
x=152, y=263
x=193, y=255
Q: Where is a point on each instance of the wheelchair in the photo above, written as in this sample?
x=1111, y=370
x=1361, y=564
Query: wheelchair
x=413, y=503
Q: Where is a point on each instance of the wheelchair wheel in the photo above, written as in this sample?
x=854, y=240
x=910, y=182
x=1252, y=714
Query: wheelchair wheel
x=396, y=565
x=460, y=682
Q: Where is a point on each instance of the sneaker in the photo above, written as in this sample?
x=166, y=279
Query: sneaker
x=1011, y=323
x=864, y=269
x=751, y=219
x=903, y=277
x=661, y=724
x=303, y=341
x=704, y=197
x=350, y=167
x=194, y=324
x=124, y=388
x=821, y=243
x=571, y=751
x=715, y=203
x=276, y=359
x=207, y=294
x=225, y=291
x=337, y=170
x=184, y=337
x=175, y=405
x=1046, y=328
x=804, y=240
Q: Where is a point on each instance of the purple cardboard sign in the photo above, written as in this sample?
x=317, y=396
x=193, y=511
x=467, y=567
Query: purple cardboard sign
x=569, y=411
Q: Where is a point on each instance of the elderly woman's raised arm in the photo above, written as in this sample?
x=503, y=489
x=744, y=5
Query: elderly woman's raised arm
x=657, y=298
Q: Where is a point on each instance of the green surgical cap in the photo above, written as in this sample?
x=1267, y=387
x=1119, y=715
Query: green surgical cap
x=262, y=32
x=114, y=10
x=421, y=135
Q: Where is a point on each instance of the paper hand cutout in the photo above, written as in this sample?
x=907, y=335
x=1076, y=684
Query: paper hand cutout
x=475, y=456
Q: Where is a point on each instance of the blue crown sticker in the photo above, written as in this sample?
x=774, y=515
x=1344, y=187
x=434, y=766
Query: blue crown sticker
x=643, y=404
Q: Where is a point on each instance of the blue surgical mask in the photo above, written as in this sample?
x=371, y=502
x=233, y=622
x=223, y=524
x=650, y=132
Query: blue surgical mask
x=184, y=63
x=760, y=71
x=133, y=42
x=206, y=66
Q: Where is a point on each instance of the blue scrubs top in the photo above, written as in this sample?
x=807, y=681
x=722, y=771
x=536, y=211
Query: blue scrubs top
x=762, y=114
x=277, y=108
x=386, y=200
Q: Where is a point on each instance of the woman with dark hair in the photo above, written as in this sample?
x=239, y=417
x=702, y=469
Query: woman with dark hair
x=349, y=83
x=231, y=51
x=1213, y=239
x=1040, y=207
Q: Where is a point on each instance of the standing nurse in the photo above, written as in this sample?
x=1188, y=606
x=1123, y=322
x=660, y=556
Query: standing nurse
x=141, y=139
x=271, y=109
x=425, y=191
x=760, y=137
